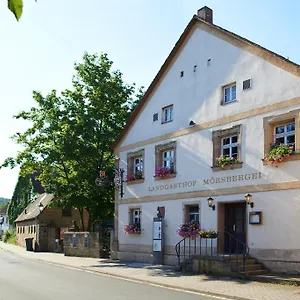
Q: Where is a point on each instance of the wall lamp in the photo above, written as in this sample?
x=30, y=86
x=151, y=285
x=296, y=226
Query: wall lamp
x=192, y=123
x=249, y=200
x=210, y=202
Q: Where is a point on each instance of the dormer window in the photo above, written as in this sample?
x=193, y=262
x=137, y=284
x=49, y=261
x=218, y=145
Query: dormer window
x=167, y=114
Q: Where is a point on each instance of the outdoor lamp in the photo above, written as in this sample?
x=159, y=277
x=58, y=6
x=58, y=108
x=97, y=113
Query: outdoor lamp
x=249, y=200
x=210, y=202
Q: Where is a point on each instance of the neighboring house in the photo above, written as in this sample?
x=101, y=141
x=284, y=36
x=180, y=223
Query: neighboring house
x=3, y=213
x=216, y=94
x=45, y=223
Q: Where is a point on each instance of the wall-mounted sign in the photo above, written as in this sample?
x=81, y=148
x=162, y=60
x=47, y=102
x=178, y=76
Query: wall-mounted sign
x=255, y=217
x=157, y=230
x=156, y=245
x=209, y=181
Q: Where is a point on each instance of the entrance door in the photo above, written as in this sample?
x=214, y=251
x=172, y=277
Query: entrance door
x=235, y=223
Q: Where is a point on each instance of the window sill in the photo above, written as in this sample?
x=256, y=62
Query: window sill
x=165, y=177
x=229, y=167
x=227, y=103
x=165, y=122
x=292, y=157
x=135, y=181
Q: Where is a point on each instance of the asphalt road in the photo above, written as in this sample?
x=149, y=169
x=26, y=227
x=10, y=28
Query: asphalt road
x=22, y=279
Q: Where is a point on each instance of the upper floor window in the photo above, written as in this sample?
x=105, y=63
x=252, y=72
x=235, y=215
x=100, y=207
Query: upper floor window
x=229, y=93
x=168, y=159
x=229, y=146
x=165, y=160
x=284, y=134
x=167, y=115
x=135, y=166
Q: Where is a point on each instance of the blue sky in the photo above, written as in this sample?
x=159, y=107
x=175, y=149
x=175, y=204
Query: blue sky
x=38, y=52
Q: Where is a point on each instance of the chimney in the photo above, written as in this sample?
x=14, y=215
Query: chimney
x=206, y=14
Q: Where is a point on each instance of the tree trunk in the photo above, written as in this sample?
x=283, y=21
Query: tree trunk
x=81, y=218
x=90, y=219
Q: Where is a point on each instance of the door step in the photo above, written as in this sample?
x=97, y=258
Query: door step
x=255, y=272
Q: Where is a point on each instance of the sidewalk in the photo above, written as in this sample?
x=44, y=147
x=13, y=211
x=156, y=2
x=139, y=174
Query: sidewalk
x=166, y=276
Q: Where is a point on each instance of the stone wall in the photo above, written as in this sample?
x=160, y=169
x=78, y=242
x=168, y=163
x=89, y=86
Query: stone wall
x=83, y=244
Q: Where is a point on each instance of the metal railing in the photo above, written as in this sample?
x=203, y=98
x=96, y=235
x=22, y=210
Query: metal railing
x=210, y=248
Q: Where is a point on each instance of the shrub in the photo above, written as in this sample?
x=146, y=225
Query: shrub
x=9, y=236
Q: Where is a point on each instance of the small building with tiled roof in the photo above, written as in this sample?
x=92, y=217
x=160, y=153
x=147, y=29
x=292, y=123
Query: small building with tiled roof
x=42, y=221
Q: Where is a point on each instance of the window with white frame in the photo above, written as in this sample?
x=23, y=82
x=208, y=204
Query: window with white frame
x=193, y=213
x=167, y=114
x=136, y=216
x=285, y=134
x=138, y=165
x=168, y=159
x=229, y=146
x=229, y=93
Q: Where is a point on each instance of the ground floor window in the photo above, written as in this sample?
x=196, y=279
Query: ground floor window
x=192, y=213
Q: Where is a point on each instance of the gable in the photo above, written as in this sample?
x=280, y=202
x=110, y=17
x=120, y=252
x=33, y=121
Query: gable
x=213, y=39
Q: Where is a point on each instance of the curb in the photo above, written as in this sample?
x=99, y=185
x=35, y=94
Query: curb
x=128, y=278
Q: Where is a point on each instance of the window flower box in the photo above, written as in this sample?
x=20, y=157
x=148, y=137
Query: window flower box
x=278, y=154
x=162, y=172
x=132, y=229
x=208, y=234
x=224, y=161
x=189, y=229
x=136, y=176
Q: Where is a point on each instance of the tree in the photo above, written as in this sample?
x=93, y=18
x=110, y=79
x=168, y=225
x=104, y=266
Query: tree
x=16, y=7
x=22, y=196
x=71, y=135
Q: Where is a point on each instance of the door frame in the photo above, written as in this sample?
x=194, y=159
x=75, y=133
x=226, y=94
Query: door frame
x=221, y=222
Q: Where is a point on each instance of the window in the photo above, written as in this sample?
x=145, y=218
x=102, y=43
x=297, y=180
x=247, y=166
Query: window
x=138, y=165
x=283, y=129
x=34, y=229
x=193, y=213
x=168, y=159
x=135, y=166
x=167, y=114
x=229, y=94
x=227, y=142
x=284, y=134
x=67, y=212
x=135, y=216
x=155, y=117
x=165, y=158
x=229, y=146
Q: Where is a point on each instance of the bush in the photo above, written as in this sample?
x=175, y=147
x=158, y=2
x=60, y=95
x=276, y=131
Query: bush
x=9, y=236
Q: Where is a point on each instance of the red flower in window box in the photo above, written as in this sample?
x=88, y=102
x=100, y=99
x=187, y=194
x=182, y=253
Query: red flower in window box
x=278, y=153
x=136, y=176
x=132, y=228
x=163, y=172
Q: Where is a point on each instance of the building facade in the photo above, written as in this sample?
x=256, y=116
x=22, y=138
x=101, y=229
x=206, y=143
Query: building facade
x=4, y=215
x=45, y=223
x=217, y=95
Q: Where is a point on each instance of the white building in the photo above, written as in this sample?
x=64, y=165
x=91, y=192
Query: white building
x=4, y=215
x=217, y=93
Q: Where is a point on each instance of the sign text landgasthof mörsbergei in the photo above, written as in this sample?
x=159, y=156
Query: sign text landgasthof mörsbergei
x=209, y=181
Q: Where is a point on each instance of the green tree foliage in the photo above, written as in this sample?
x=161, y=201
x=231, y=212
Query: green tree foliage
x=71, y=135
x=16, y=7
x=22, y=196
